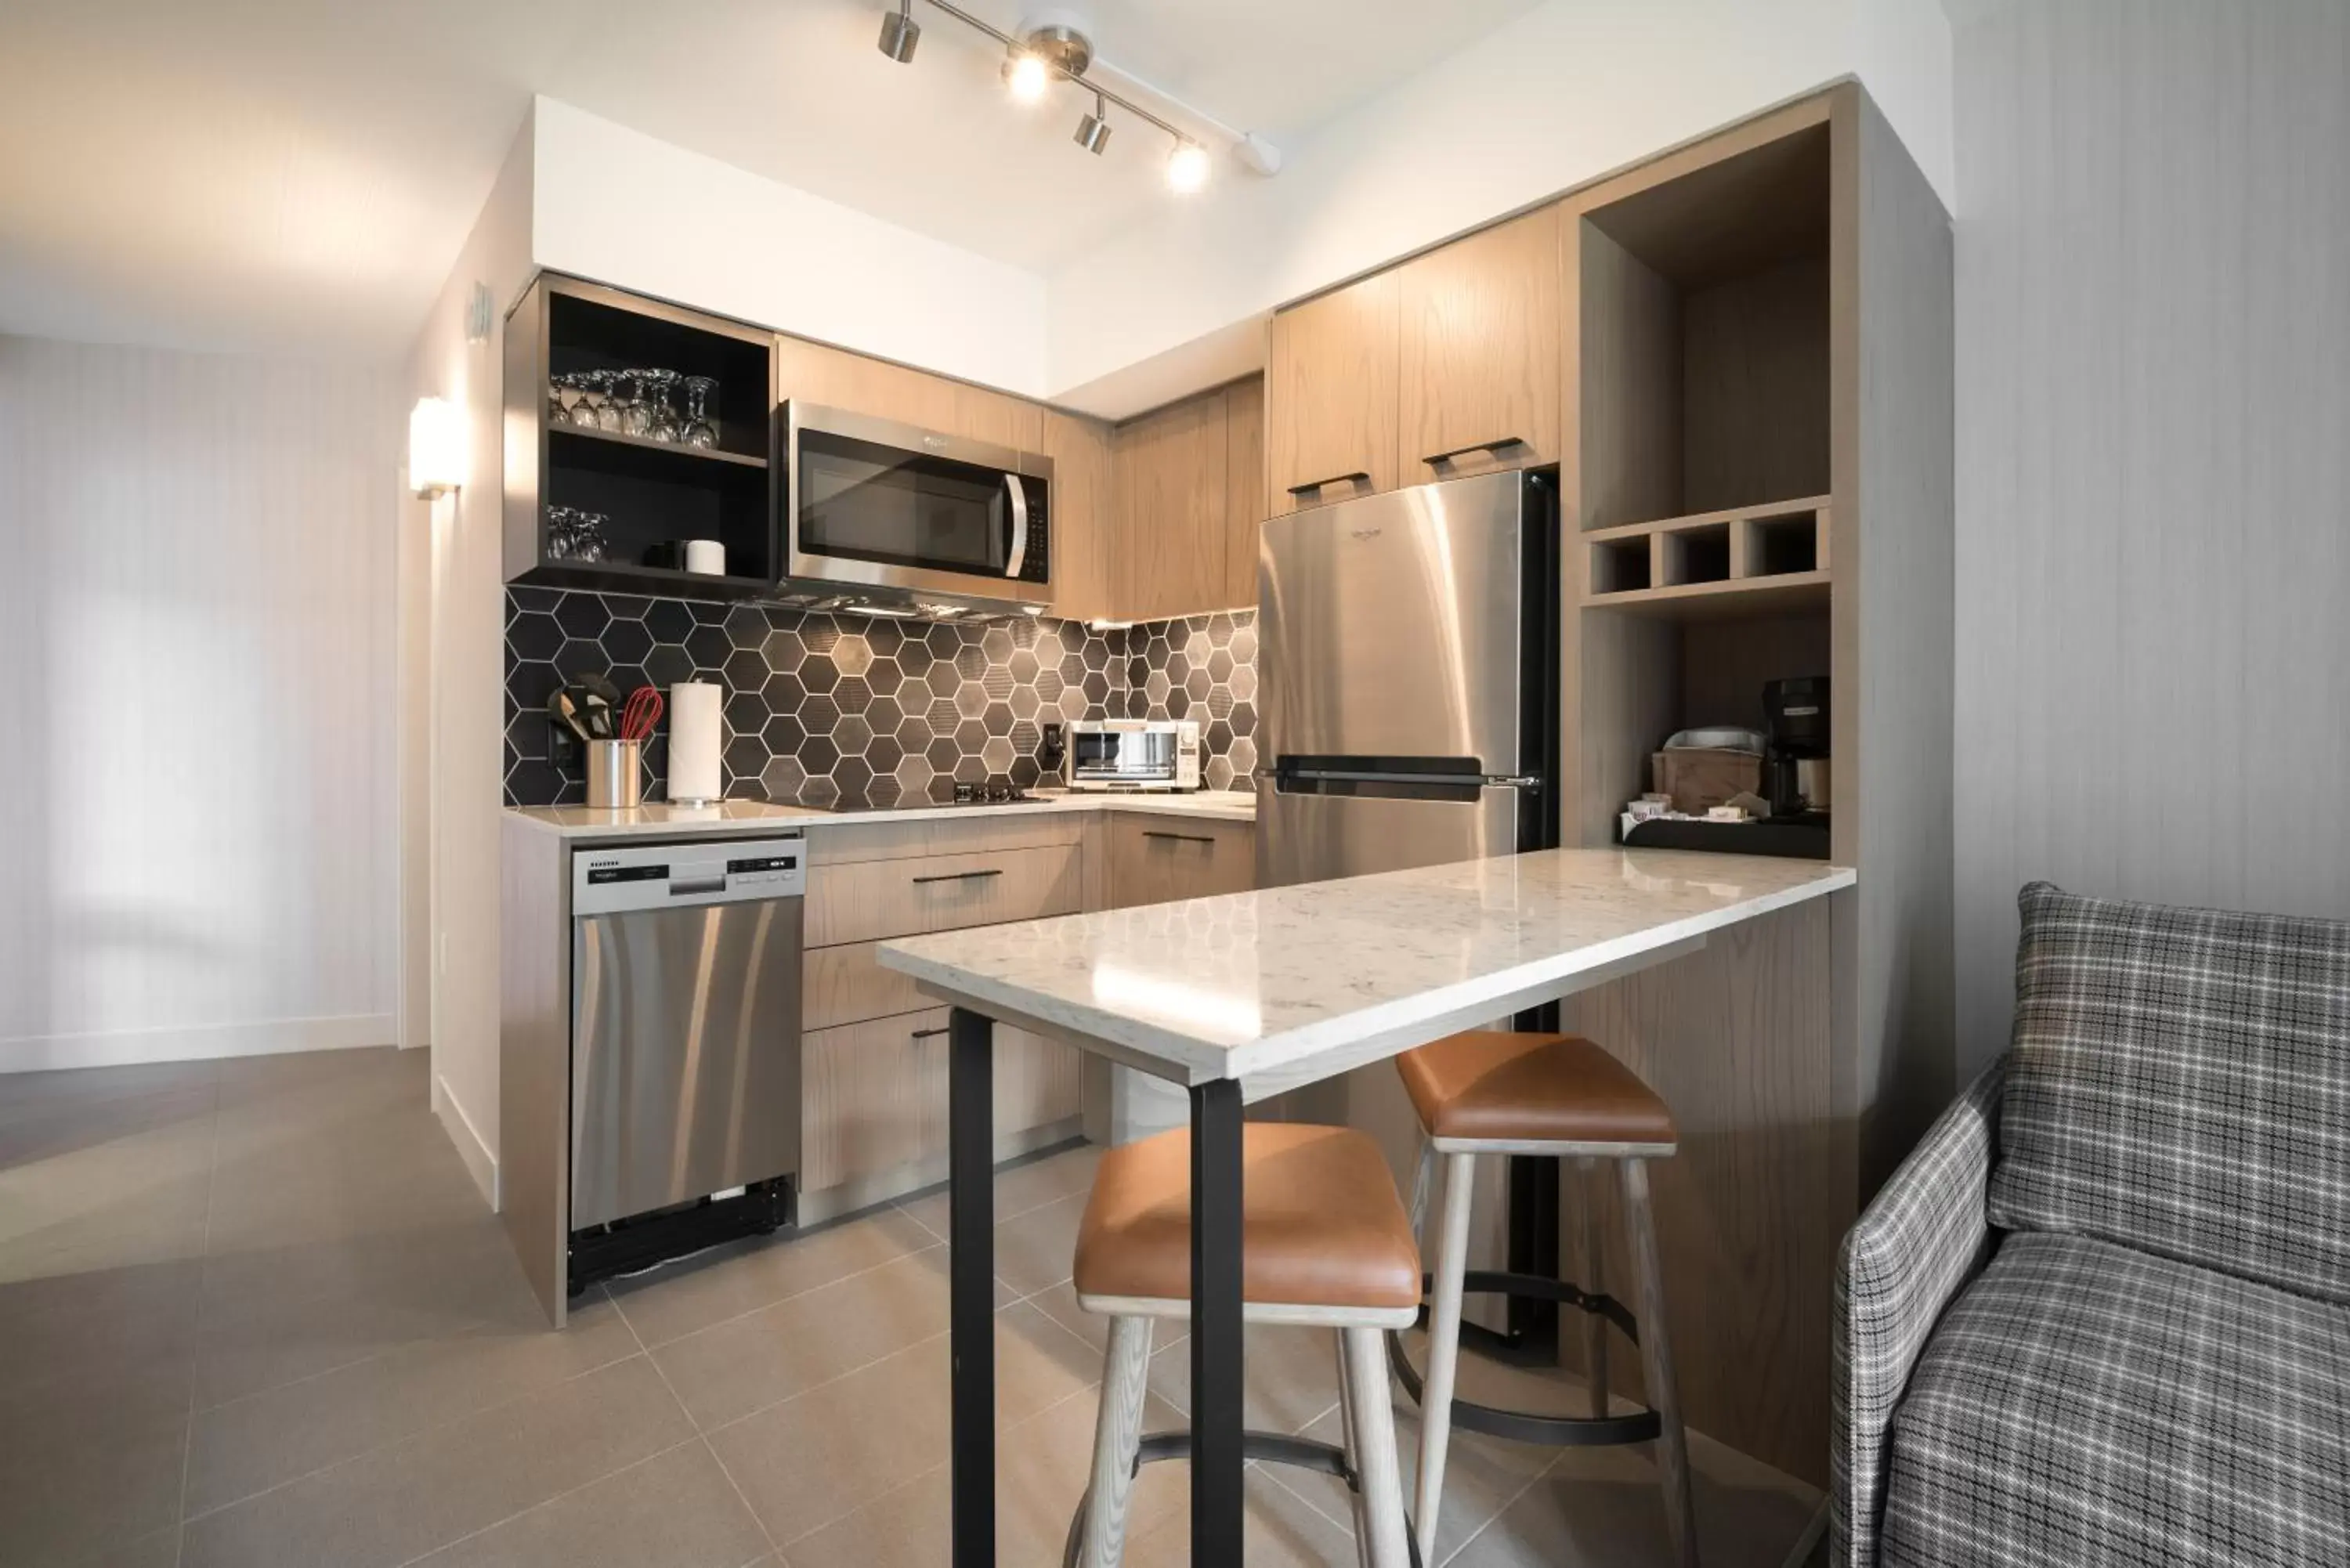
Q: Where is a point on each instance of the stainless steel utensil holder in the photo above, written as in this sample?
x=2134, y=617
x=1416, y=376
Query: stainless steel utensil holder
x=615, y=776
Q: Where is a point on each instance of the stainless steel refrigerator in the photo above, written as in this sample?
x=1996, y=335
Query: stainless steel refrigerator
x=1407, y=679
x=1408, y=715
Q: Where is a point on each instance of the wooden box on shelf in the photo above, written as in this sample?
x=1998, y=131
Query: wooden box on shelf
x=652, y=494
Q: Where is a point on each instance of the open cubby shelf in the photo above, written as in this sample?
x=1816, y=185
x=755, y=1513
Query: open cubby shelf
x=650, y=492
x=1749, y=558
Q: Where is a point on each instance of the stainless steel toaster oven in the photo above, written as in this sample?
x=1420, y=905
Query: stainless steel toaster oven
x=1134, y=753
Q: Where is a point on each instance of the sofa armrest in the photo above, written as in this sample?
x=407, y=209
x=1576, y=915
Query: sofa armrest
x=1921, y=1241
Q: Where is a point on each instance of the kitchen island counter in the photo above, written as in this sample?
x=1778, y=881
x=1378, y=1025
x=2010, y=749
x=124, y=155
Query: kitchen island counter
x=1250, y=994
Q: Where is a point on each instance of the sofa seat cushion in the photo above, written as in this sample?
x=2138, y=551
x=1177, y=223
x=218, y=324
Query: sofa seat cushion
x=2084, y=1406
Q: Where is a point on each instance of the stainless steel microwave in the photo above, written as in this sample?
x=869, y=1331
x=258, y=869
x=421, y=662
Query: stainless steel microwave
x=879, y=513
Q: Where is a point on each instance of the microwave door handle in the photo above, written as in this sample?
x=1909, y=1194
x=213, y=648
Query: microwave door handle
x=1017, y=557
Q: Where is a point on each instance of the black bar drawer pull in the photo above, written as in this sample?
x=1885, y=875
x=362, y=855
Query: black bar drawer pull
x=961, y=876
x=1178, y=837
x=1496, y=444
x=927, y=1034
x=1313, y=484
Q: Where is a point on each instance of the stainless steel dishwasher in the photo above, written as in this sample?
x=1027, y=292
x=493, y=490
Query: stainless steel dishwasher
x=685, y=1048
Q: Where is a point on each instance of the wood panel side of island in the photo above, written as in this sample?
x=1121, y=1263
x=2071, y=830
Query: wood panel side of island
x=1737, y=1038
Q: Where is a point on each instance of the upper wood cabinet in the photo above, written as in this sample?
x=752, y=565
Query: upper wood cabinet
x=1481, y=351
x=1331, y=397
x=1245, y=508
x=1190, y=483
x=1172, y=489
x=1083, y=501
x=836, y=378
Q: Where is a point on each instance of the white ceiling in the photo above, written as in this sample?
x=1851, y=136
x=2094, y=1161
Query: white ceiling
x=297, y=175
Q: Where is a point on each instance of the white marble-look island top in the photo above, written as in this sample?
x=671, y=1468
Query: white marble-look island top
x=1285, y=984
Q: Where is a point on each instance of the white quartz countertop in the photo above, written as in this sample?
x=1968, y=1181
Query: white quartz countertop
x=744, y=817
x=1284, y=982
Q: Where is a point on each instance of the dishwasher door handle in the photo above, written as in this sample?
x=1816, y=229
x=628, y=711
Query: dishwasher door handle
x=696, y=888
x=961, y=876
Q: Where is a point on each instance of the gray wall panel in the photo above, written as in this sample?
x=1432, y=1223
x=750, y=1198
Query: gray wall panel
x=2153, y=571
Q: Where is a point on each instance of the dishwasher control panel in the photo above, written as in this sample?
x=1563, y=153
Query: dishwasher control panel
x=607, y=879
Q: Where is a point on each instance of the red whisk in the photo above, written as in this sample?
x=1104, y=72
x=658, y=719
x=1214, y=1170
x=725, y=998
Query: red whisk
x=642, y=713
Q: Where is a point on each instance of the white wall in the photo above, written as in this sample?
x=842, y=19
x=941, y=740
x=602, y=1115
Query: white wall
x=457, y=652
x=625, y=208
x=196, y=617
x=2153, y=493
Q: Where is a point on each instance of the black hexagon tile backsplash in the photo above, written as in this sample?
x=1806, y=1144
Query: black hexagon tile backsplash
x=850, y=710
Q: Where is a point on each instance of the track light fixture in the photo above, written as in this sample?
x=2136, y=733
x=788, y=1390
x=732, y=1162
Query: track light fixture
x=1055, y=45
x=900, y=33
x=1093, y=130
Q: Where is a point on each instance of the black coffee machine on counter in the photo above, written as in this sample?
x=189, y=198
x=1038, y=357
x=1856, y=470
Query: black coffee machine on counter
x=1795, y=766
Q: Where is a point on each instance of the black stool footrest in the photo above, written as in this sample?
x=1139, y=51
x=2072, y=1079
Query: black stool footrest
x=1525, y=1426
x=1274, y=1448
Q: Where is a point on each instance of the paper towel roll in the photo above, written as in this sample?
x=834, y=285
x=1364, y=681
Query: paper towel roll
x=696, y=733
x=707, y=556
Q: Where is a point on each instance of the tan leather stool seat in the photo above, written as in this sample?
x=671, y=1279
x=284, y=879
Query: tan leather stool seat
x=1322, y=1224
x=1531, y=1088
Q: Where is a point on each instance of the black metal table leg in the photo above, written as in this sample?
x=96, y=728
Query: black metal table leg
x=1217, y=1434
x=971, y=1268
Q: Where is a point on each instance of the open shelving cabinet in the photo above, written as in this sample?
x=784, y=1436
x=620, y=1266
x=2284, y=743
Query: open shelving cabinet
x=1705, y=497
x=1736, y=511
x=652, y=491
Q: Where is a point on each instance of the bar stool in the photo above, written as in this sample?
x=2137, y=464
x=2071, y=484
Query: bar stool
x=1506, y=1094
x=1324, y=1243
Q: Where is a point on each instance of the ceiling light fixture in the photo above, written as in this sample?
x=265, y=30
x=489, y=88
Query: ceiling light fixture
x=1093, y=130
x=1055, y=45
x=1187, y=167
x=900, y=33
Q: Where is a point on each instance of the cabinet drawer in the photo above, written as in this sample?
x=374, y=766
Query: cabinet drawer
x=874, y=1095
x=871, y=899
x=1154, y=859
x=846, y=984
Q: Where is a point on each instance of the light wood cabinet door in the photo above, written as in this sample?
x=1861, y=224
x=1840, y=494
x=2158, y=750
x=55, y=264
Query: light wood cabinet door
x=834, y=377
x=868, y=900
x=1083, y=505
x=1331, y=399
x=1481, y=372
x=873, y=1096
x=1156, y=859
x=1171, y=478
x=1245, y=503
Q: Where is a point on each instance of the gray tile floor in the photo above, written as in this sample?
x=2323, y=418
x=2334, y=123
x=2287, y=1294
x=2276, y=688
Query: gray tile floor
x=254, y=1314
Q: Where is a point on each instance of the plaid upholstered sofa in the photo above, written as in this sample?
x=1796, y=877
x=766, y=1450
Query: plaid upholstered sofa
x=2102, y=1314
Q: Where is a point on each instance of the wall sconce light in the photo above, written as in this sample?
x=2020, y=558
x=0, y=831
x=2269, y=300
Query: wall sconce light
x=436, y=446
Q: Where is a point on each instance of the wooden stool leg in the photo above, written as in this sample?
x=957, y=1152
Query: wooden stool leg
x=1594, y=1281
x=1350, y=1438
x=1443, y=1346
x=1118, y=1437
x=1375, y=1448
x=1657, y=1362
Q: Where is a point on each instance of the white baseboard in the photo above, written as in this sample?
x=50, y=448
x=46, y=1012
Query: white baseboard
x=128, y=1047
x=480, y=1163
